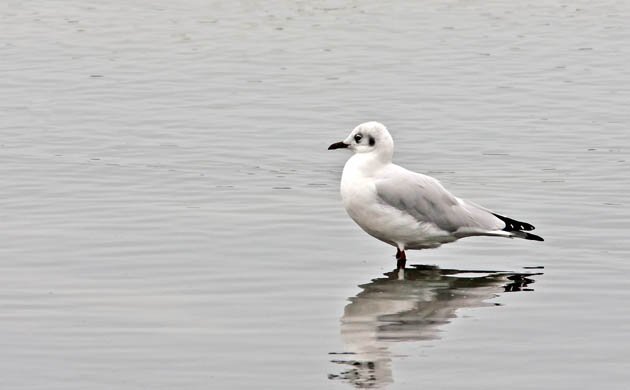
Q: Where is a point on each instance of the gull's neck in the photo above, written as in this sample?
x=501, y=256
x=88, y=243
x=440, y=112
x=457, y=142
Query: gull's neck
x=366, y=164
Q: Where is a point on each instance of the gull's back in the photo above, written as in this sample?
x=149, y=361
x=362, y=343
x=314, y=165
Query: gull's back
x=424, y=198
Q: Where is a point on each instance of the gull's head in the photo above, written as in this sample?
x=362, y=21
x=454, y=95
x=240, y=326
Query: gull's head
x=368, y=137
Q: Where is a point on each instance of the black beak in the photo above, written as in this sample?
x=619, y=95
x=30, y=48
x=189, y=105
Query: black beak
x=338, y=145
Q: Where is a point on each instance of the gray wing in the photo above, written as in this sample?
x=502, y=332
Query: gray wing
x=428, y=201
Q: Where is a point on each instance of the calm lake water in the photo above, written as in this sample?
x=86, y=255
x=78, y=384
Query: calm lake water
x=170, y=215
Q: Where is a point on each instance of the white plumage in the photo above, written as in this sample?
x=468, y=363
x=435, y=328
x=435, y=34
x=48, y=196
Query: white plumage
x=406, y=209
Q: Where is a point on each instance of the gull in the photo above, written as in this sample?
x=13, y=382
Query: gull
x=405, y=209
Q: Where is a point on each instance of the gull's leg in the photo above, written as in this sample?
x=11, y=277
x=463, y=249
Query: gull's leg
x=401, y=259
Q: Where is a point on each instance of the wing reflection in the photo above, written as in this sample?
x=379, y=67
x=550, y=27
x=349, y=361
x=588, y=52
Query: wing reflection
x=410, y=307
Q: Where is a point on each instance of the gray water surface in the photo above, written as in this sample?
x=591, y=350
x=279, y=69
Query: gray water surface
x=170, y=215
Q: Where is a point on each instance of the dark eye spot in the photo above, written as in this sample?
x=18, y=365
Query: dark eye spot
x=372, y=141
x=357, y=138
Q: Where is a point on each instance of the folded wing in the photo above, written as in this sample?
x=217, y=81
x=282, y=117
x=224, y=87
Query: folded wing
x=428, y=201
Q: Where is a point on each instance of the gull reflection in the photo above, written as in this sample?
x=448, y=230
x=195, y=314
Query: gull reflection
x=410, y=305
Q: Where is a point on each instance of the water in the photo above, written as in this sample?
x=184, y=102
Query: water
x=171, y=217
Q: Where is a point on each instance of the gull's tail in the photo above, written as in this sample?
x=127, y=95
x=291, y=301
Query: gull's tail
x=518, y=229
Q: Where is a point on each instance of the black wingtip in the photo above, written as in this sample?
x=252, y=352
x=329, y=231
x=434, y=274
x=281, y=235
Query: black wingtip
x=519, y=228
x=512, y=225
x=529, y=236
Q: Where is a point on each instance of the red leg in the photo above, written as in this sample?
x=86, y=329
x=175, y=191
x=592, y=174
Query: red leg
x=401, y=259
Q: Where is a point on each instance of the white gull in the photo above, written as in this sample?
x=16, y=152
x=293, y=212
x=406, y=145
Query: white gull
x=407, y=209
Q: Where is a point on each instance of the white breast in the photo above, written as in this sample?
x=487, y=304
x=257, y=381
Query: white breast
x=382, y=221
